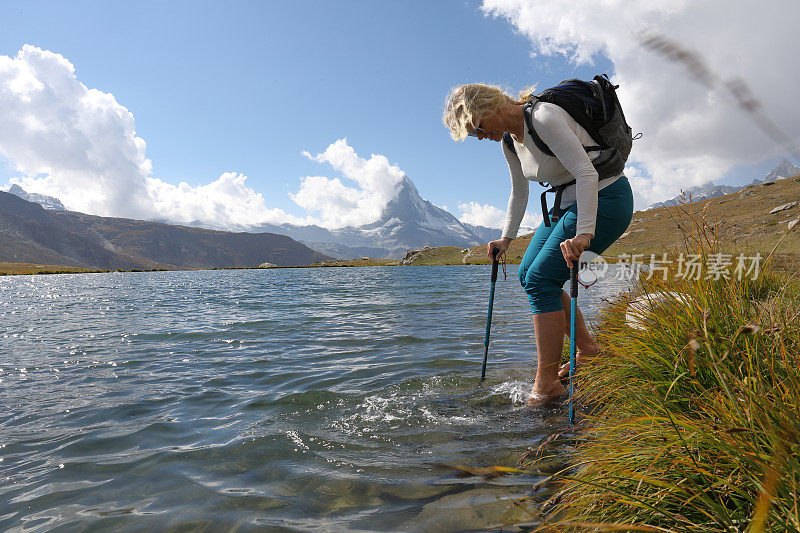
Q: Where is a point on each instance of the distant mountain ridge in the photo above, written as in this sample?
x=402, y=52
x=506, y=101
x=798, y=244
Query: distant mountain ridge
x=48, y=202
x=486, y=234
x=785, y=169
x=31, y=234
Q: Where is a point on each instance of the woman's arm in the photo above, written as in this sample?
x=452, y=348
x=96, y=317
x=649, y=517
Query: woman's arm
x=518, y=199
x=517, y=202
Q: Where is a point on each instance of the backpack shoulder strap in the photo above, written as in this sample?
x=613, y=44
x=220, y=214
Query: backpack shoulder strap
x=509, y=142
x=527, y=112
x=602, y=99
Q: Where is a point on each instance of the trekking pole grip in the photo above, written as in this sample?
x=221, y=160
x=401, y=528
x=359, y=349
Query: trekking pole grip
x=495, y=251
x=573, y=275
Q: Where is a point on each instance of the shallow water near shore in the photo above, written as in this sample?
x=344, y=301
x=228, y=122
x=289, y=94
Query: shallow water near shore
x=323, y=399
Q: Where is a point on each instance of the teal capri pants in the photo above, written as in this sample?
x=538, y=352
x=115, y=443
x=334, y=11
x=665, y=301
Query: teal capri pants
x=544, y=271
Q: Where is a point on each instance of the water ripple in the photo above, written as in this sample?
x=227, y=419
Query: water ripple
x=288, y=399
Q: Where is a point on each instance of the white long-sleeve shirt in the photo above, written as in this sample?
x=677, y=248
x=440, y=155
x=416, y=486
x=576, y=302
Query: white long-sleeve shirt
x=566, y=139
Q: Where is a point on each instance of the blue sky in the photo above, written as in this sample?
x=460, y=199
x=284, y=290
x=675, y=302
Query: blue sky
x=246, y=87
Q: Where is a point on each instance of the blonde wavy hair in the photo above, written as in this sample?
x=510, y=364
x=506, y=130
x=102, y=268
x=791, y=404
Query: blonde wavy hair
x=466, y=105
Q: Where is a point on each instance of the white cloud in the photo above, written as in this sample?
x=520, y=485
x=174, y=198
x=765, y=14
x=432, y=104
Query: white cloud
x=226, y=203
x=338, y=204
x=481, y=215
x=492, y=217
x=66, y=139
x=692, y=132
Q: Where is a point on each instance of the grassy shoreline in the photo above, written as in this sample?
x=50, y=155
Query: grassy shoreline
x=25, y=269
x=692, y=423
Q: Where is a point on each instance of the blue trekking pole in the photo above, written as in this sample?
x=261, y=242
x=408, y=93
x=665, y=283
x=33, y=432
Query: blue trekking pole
x=489, y=315
x=573, y=293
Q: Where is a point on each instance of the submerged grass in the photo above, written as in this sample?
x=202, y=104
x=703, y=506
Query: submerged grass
x=693, y=420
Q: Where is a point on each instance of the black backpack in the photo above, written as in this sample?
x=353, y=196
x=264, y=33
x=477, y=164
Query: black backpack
x=595, y=106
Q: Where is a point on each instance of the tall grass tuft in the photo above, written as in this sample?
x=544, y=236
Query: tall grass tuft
x=694, y=421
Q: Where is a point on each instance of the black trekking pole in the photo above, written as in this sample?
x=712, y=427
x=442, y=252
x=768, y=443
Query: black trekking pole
x=495, y=251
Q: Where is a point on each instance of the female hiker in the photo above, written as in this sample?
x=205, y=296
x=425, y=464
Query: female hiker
x=594, y=213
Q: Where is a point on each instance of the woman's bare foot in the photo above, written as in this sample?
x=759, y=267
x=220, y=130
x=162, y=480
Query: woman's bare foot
x=580, y=358
x=540, y=395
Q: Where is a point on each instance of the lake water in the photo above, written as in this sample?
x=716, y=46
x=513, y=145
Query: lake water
x=323, y=399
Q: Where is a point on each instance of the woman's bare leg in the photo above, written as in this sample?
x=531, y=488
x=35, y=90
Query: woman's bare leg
x=548, y=329
x=586, y=345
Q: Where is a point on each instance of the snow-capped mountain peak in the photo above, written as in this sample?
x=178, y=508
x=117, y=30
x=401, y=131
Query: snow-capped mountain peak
x=784, y=170
x=48, y=202
x=409, y=221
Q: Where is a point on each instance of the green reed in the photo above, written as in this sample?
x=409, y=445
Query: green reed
x=693, y=422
